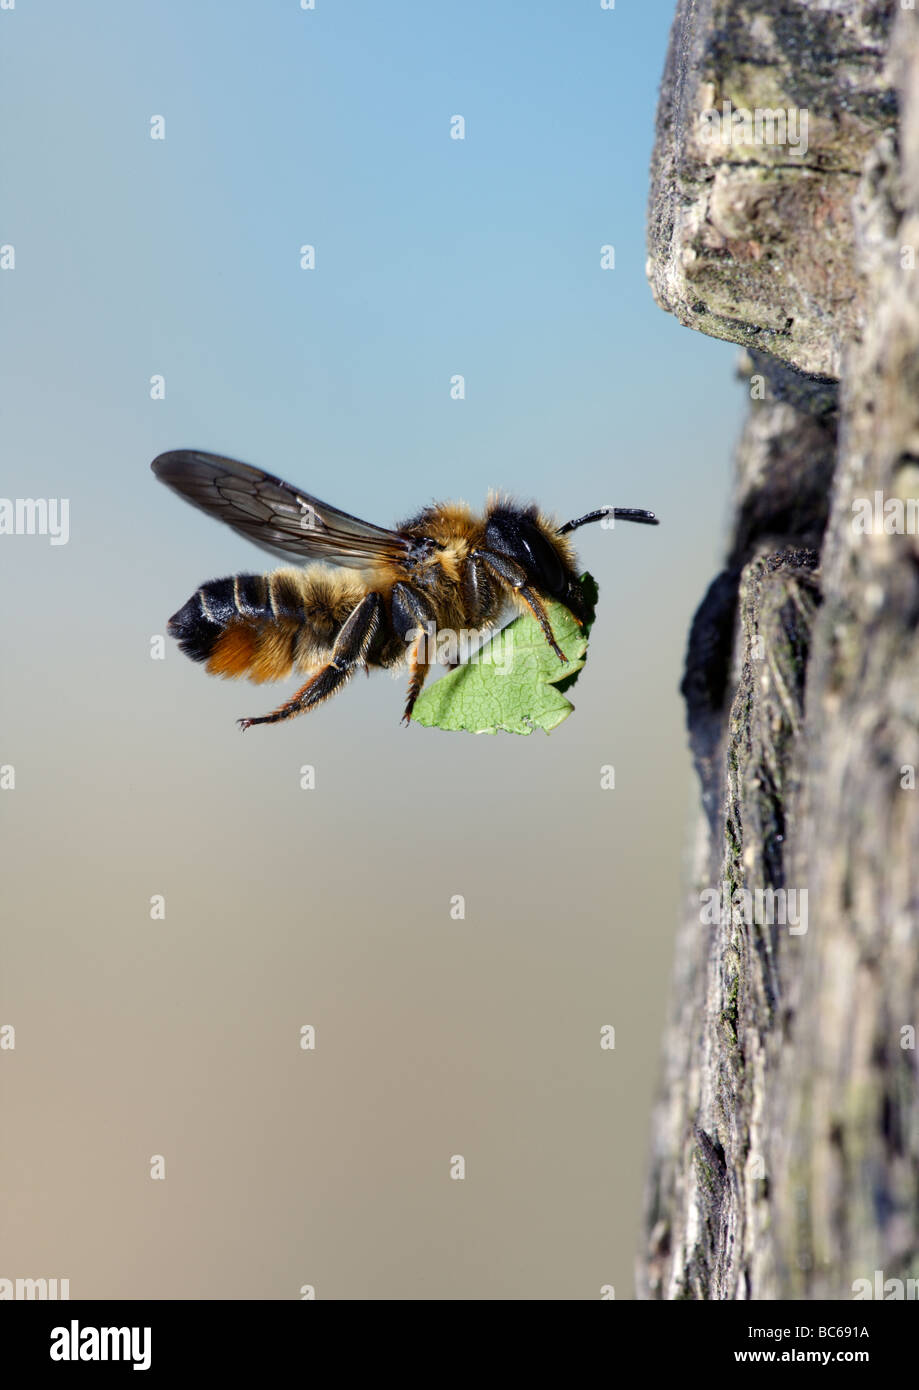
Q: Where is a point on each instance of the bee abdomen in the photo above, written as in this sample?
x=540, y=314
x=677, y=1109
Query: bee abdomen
x=233, y=614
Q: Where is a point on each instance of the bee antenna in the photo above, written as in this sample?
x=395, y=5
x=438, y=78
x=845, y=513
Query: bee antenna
x=618, y=513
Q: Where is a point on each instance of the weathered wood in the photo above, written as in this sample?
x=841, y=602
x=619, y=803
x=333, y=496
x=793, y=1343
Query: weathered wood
x=786, y=1143
x=753, y=243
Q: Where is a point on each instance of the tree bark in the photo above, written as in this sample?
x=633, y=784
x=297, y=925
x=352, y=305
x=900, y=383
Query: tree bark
x=785, y=1156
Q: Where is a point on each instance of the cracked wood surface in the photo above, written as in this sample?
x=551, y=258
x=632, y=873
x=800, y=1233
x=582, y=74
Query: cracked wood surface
x=785, y=1147
x=753, y=243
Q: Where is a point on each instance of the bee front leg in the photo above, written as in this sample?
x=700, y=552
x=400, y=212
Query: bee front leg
x=516, y=579
x=350, y=651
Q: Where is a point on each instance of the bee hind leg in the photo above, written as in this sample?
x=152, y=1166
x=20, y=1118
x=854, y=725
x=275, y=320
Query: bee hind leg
x=318, y=688
x=349, y=652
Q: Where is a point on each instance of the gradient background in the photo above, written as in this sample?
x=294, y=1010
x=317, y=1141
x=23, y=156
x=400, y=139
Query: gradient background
x=332, y=907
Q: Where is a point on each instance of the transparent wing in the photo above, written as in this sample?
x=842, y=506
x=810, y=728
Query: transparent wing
x=276, y=516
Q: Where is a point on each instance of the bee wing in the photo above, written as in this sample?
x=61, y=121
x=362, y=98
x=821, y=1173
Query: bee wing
x=276, y=516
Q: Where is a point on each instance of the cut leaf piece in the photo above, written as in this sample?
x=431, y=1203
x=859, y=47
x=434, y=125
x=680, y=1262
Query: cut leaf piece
x=515, y=681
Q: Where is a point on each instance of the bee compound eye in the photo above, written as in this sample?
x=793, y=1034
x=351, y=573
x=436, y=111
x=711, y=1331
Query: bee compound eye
x=520, y=539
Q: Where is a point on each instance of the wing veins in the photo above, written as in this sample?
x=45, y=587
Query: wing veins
x=274, y=514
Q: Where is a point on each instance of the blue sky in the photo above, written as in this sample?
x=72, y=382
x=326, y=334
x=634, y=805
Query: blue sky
x=435, y=257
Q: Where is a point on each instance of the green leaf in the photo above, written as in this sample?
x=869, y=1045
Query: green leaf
x=515, y=681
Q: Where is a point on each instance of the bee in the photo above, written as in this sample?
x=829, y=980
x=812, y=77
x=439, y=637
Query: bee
x=366, y=596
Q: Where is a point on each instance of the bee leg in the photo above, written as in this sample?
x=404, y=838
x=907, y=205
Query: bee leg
x=514, y=576
x=476, y=588
x=535, y=604
x=418, y=670
x=350, y=651
x=413, y=620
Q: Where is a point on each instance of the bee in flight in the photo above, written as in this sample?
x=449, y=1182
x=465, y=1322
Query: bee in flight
x=366, y=596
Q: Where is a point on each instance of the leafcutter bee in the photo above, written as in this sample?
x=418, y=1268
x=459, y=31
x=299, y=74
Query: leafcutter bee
x=366, y=596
